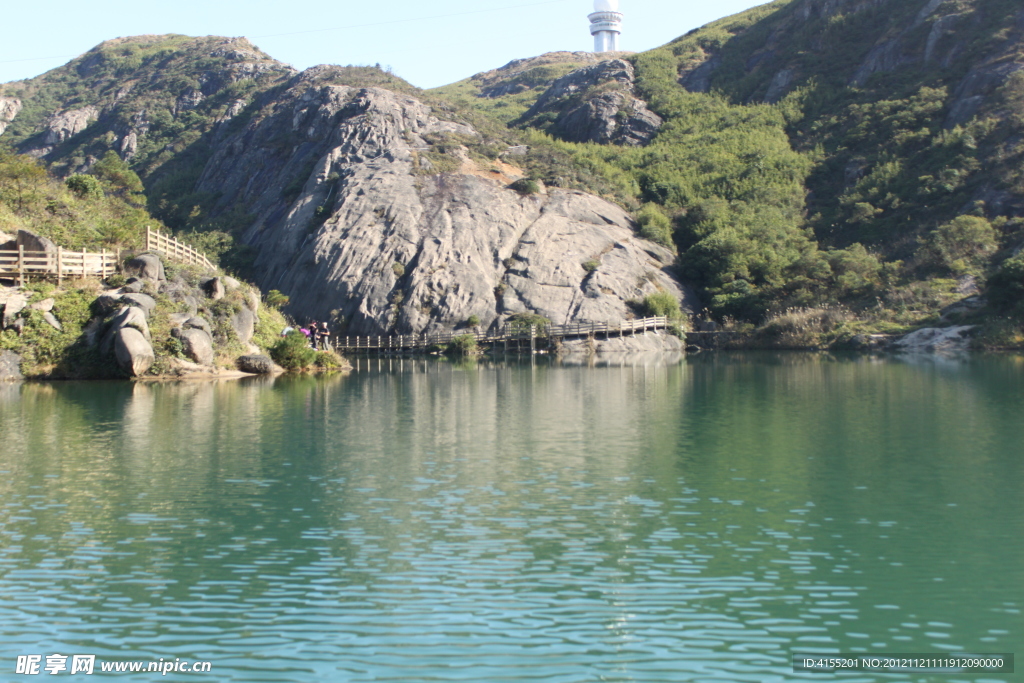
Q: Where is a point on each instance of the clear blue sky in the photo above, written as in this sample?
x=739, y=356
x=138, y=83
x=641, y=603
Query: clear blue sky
x=448, y=41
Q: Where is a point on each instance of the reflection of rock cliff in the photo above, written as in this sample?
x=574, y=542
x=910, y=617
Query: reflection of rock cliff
x=372, y=230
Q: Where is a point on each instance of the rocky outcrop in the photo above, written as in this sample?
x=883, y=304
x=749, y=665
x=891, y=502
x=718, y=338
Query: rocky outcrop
x=698, y=79
x=954, y=339
x=257, y=364
x=9, y=108
x=27, y=240
x=521, y=75
x=133, y=351
x=10, y=366
x=372, y=239
x=596, y=104
x=145, y=267
x=197, y=344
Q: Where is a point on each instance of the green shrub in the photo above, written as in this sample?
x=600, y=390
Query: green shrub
x=463, y=345
x=661, y=304
x=591, y=265
x=327, y=360
x=277, y=299
x=85, y=186
x=655, y=225
x=473, y=321
x=1006, y=286
x=526, y=186
x=293, y=352
x=963, y=245
x=519, y=323
x=398, y=269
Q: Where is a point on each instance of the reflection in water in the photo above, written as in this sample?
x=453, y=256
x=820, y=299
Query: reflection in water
x=638, y=519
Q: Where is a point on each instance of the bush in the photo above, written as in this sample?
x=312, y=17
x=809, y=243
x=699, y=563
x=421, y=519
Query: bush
x=1006, y=286
x=655, y=225
x=277, y=299
x=293, y=352
x=591, y=265
x=962, y=246
x=85, y=186
x=463, y=345
x=327, y=360
x=473, y=321
x=520, y=322
x=802, y=327
x=526, y=186
x=661, y=304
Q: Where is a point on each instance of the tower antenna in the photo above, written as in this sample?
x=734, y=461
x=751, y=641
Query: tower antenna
x=606, y=25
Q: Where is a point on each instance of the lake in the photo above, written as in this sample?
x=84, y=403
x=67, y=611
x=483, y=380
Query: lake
x=642, y=519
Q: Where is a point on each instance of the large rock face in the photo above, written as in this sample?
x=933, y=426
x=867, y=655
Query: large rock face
x=596, y=104
x=372, y=237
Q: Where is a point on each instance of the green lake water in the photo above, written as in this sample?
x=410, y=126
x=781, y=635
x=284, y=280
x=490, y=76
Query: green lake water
x=425, y=521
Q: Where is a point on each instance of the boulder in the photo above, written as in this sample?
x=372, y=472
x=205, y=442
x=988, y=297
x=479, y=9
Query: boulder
x=52, y=321
x=10, y=366
x=14, y=305
x=106, y=304
x=46, y=305
x=252, y=298
x=180, y=295
x=133, y=286
x=199, y=323
x=198, y=345
x=230, y=283
x=146, y=267
x=244, y=324
x=954, y=339
x=129, y=316
x=33, y=242
x=143, y=301
x=258, y=364
x=213, y=287
x=178, y=319
x=133, y=352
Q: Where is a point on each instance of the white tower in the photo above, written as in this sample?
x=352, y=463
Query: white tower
x=606, y=25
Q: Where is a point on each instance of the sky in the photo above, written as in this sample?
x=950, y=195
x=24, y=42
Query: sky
x=428, y=44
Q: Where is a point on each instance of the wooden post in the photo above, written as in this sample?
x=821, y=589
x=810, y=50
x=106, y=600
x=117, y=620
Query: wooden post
x=533, y=339
x=60, y=266
x=21, y=265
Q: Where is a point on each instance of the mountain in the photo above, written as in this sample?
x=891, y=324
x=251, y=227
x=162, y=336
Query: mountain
x=805, y=153
x=364, y=200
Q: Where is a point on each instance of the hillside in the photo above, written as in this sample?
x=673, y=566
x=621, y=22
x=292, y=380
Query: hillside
x=806, y=153
x=810, y=152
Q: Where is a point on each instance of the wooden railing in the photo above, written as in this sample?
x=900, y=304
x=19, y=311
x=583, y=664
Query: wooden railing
x=173, y=249
x=509, y=332
x=63, y=263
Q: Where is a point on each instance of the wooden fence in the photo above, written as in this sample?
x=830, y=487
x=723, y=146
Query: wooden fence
x=21, y=265
x=173, y=249
x=510, y=332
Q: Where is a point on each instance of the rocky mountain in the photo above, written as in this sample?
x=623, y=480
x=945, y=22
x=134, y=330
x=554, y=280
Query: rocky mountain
x=365, y=205
x=803, y=153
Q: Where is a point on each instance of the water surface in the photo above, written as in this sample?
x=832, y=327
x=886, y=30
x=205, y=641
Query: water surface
x=640, y=520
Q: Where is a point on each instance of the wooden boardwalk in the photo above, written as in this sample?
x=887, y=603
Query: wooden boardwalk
x=59, y=264
x=21, y=265
x=511, y=335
